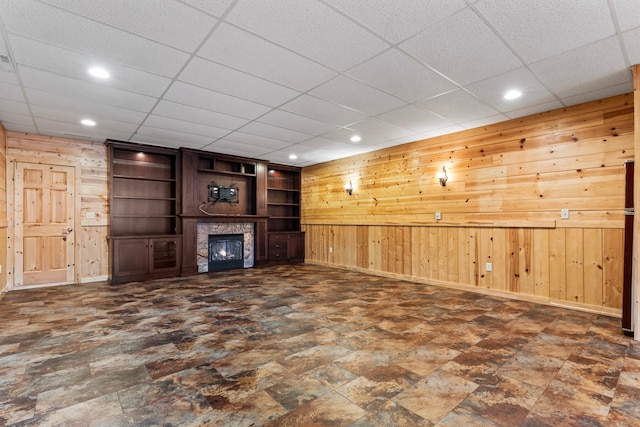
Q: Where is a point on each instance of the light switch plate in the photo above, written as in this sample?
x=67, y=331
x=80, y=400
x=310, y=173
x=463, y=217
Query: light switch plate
x=564, y=213
x=438, y=216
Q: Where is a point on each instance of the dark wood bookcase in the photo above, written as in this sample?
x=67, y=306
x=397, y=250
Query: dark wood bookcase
x=145, y=237
x=286, y=241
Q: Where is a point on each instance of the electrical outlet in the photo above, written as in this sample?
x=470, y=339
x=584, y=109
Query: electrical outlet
x=564, y=213
x=438, y=216
x=91, y=215
x=488, y=266
x=330, y=249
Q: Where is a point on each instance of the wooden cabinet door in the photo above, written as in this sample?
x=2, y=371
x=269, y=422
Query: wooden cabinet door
x=131, y=257
x=164, y=254
x=44, y=215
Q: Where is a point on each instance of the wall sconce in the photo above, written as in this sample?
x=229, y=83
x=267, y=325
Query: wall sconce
x=442, y=176
x=348, y=188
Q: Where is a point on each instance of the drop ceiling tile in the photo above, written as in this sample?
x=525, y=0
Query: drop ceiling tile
x=338, y=147
x=444, y=131
x=358, y=96
x=538, y=31
x=213, y=7
x=492, y=90
x=415, y=119
x=87, y=91
x=534, y=109
x=198, y=115
x=466, y=50
x=176, y=125
x=164, y=141
x=376, y=128
x=275, y=132
x=305, y=156
x=14, y=107
x=11, y=92
x=27, y=127
x=34, y=20
x=224, y=146
x=15, y=119
x=146, y=18
x=372, y=131
x=296, y=122
x=486, y=121
x=180, y=138
x=458, y=107
x=323, y=111
x=584, y=69
x=78, y=131
x=399, y=75
x=195, y=96
x=310, y=29
x=72, y=118
x=257, y=141
x=415, y=15
x=52, y=100
x=599, y=94
x=9, y=78
x=628, y=13
x=75, y=65
x=244, y=51
x=219, y=78
x=632, y=45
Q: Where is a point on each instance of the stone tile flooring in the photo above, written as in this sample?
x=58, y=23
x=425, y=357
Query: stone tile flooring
x=307, y=346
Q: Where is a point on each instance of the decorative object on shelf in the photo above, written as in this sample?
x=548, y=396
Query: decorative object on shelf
x=349, y=188
x=442, y=176
x=221, y=193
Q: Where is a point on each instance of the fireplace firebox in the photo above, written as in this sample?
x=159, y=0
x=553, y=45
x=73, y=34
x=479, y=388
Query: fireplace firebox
x=226, y=251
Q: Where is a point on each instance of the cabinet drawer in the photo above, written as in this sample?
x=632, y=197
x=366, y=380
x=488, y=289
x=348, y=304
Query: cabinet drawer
x=278, y=255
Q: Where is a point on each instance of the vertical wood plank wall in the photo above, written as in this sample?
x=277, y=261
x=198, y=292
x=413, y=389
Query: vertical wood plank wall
x=501, y=205
x=3, y=209
x=90, y=160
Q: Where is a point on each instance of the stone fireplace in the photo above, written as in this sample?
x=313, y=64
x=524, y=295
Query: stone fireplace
x=205, y=229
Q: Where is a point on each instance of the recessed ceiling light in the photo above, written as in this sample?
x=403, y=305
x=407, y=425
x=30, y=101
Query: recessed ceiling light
x=88, y=122
x=356, y=138
x=292, y=157
x=100, y=73
x=513, y=94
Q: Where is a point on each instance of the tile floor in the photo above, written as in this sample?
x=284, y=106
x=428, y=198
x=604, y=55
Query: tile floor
x=307, y=346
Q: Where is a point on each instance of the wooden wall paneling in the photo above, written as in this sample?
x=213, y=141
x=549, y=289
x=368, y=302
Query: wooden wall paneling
x=513, y=257
x=541, y=262
x=441, y=254
x=485, y=246
x=525, y=250
x=557, y=264
x=432, y=254
x=416, y=252
x=613, y=262
x=93, y=247
x=593, y=267
x=453, y=249
x=464, y=256
x=407, y=246
x=574, y=247
x=362, y=242
x=375, y=248
x=499, y=259
x=508, y=182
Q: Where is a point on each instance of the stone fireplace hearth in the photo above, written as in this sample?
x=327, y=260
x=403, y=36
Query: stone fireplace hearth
x=206, y=228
